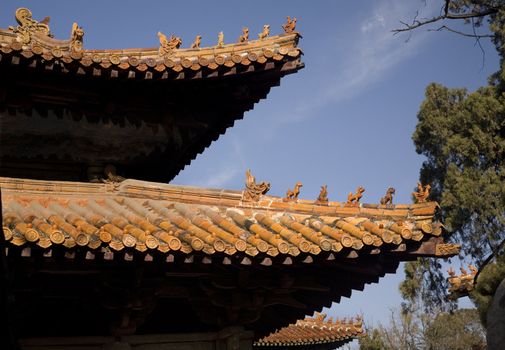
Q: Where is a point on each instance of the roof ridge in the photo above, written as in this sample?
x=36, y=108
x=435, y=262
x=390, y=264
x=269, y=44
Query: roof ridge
x=214, y=196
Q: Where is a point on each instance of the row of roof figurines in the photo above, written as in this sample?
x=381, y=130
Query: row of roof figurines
x=28, y=26
x=254, y=190
x=169, y=44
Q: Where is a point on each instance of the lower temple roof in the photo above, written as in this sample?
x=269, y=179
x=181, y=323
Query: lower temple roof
x=315, y=333
x=167, y=219
x=136, y=251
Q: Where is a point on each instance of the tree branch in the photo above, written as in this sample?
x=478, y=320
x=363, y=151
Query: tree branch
x=447, y=15
x=475, y=35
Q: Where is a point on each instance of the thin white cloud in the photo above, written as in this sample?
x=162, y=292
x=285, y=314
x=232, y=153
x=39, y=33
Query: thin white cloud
x=229, y=167
x=371, y=52
x=220, y=179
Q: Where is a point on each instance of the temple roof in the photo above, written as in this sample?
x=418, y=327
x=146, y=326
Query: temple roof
x=150, y=217
x=149, y=112
x=315, y=333
x=32, y=44
x=215, y=257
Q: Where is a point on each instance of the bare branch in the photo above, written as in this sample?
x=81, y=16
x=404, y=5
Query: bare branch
x=446, y=15
x=477, y=41
x=475, y=35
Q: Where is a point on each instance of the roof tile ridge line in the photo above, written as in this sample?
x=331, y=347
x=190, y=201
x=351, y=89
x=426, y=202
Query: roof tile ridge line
x=191, y=194
x=9, y=184
x=275, y=204
x=257, y=44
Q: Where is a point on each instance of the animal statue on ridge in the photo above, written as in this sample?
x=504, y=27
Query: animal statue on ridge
x=197, y=42
x=245, y=35
x=265, y=32
x=292, y=195
x=422, y=193
x=323, y=195
x=388, y=198
x=290, y=25
x=354, y=198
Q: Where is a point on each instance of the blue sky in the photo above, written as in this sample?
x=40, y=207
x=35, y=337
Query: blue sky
x=345, y=120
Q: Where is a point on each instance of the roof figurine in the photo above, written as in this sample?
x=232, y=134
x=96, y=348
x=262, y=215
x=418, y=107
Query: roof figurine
x=28, y=26
x=167, y=46
x=265, y=32
x=245, y=35
x=197, y=42
x=292, y=194
x=290, y=25
x=254, y=191
x=388, y=198
x=353, y=199
x=422, y=193
x=76, y=37
x=111, y=176
x=323, y=195
x=220, y=39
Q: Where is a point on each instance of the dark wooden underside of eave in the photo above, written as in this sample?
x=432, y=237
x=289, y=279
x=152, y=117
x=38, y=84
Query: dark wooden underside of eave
x=59, y=296
x=191, y=112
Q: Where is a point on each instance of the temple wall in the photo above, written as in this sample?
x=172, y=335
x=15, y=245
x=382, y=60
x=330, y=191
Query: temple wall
x=227, y=339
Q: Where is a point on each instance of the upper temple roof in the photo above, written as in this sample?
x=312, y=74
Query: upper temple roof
x=149, y=112
x=32, y=41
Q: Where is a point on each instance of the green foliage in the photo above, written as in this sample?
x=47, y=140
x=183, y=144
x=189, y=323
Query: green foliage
x=462, y=135
x=488, y=281
x=458, y=330
x=424, y=287
x=372, y=340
